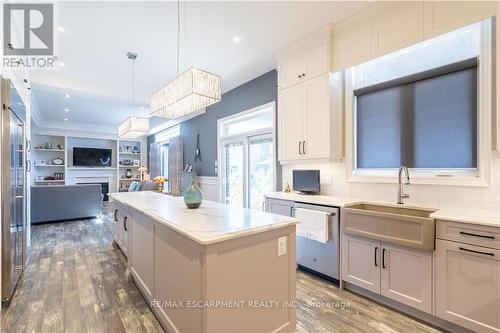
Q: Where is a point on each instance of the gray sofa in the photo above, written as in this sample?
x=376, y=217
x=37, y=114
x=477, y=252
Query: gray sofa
x=56, y=203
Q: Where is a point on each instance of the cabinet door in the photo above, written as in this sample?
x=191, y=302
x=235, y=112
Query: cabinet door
x=290, y=72
x=315, y=62
x=280, y=207
x=361, y=262
x=399, y=25
x=468, y=285
x=406, y=276
x=141, y=252
x=317, y=118
x=125, y=236
x=291, y=125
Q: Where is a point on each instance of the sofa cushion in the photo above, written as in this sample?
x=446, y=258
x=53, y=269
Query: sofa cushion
x=134, y=186
x=55, y=203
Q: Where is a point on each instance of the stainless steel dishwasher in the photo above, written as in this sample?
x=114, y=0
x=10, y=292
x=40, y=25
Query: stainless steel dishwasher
x=320, y=257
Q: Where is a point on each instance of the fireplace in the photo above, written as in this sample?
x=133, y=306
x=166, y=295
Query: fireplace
x=104, y=189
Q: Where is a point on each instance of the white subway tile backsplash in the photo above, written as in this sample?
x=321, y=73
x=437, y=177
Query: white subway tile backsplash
x=334, y=182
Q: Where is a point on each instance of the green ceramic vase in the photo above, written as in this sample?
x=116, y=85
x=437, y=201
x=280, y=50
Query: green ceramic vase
x=193, y=196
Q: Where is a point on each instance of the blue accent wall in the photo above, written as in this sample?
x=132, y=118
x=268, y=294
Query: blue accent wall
x=256, y=92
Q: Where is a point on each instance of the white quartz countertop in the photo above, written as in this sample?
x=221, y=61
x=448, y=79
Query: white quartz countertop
x=473, y=216
x=211, y=223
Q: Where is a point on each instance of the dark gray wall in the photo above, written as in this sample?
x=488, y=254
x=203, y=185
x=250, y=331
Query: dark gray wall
x=256, y=92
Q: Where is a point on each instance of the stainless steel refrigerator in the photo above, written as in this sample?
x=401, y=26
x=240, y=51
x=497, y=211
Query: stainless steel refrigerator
x=13, y=187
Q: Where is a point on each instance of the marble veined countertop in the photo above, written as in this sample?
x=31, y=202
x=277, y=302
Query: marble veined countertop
x=211, y=223
x=464, y=215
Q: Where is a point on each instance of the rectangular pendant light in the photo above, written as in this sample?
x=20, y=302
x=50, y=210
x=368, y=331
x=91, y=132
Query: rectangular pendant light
x=191, y=91
x=133, y=127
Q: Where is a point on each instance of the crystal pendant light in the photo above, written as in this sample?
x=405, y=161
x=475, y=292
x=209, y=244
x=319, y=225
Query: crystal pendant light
x=188, y=92
x=133, y=127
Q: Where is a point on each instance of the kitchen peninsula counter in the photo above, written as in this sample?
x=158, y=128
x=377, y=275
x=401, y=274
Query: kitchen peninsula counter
x=214, y=269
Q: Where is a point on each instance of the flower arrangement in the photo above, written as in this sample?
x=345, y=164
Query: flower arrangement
x=160, y=180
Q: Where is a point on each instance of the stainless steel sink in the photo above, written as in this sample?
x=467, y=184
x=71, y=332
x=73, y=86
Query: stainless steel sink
x=406, y=226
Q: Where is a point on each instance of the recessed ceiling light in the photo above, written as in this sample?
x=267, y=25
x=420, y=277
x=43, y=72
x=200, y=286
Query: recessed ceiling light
x=60, y=29
x=66, y=95
x=65, y=119
x=236, y=39
x=67, y=110
x=61, y=64
x=142, y=107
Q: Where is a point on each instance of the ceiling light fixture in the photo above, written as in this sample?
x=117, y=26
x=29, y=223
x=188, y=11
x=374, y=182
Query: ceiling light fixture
x=61, y=64
x=190, y=91
x=133, y=127
x=65, y=119
x=67, y=110
x=60, y=29
x=66, y=95
x=236, y=39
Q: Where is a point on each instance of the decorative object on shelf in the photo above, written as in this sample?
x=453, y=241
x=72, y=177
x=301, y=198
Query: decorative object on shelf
x=128, y=173
x=288, y=189
x=133, y=127
x=197, y=152
x=58, y=161
x=193, y=196
x=136, y=149
x=127, y=162
x=39, y=147
x=58, y=175
x=40, y=178
x=59, y=147
x=49, y=178
x=188, y=92
x=160, y=181
x=137, y=163
x=48, y=145
x=41, y=162
x=142, y=170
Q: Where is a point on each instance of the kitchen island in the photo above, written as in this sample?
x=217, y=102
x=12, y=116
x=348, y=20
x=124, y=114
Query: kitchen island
x=214, y=269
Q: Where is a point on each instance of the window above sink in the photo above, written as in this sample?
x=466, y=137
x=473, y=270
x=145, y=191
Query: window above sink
x=428, y=107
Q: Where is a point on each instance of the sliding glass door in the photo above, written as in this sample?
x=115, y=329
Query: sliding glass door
x=248, y=170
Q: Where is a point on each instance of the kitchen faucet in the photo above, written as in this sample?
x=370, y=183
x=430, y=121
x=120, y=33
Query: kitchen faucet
x=402, y=195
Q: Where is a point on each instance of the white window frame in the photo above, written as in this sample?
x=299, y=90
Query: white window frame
x=269, y=132
x=480, y=176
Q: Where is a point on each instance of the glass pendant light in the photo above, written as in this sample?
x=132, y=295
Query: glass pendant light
x=188, y=92
x=133, y=127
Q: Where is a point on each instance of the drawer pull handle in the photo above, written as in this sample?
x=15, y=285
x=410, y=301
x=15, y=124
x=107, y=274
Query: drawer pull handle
x=116, y=211
x=383, y=258
x=475, y=235
x=478, y=252
x=376, y=255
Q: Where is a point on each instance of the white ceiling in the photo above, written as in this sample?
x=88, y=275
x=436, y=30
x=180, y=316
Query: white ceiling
x=97, y=35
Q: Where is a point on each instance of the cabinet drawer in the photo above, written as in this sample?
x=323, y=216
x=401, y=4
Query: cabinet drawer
x=468, y=233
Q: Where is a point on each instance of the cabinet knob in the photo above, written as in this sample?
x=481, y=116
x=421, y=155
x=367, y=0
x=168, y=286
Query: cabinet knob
x=304, y=74
x=300, y=76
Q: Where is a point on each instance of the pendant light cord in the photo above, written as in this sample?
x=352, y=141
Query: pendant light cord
x=178, y=34
x=133, y=87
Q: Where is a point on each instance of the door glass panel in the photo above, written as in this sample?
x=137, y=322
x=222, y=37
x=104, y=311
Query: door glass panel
x=260, y=171
x=234, y=174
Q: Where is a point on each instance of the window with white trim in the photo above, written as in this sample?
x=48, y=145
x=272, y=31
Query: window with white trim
x=425, y=107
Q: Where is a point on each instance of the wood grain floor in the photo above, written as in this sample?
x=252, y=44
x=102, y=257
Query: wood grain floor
x=76, y=281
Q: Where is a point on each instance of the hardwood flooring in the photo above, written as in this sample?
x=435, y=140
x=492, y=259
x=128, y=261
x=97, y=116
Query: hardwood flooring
x=76, y=281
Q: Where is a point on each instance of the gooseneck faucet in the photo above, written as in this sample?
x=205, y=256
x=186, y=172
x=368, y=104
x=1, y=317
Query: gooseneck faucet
x=402, y=195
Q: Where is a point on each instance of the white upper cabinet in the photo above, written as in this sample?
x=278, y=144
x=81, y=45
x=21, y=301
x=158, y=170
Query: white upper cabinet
x=305, y=66
x=290, y=106
x=290, y=72
x=316, y=114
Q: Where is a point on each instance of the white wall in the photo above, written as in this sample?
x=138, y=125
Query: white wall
x=334, y=182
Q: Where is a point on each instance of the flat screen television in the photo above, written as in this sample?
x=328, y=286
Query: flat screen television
x=306, y=181
x=91, y=157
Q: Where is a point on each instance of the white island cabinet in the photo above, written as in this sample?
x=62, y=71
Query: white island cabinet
x=213, y=269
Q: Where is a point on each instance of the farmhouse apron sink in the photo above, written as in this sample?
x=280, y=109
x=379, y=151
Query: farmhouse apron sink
x=406, y=226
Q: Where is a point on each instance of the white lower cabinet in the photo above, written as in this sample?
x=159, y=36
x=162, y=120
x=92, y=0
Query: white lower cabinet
x=141, y=252
x=361, y=262
x=399, y=273
x=406, y=276
x=468, y=285
x=120, y=227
